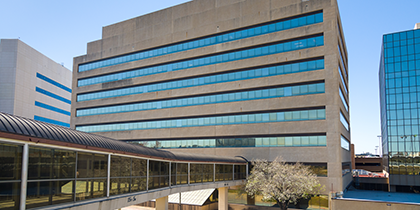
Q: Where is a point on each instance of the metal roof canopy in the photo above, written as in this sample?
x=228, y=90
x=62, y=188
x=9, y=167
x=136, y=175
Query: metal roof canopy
x=28, y=128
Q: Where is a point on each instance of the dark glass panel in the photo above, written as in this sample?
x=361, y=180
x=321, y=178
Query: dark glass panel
x=154, y=168
x=49, y=193
x=10, y=195
x=138, y=184
x=119, y=186
x=88, y=189
x=64, y=164
x=139, y=167
x=38, y=194
x=84, y=165
x=120, y=166
x=10, y=162
x=40, y=163
x=100, y=165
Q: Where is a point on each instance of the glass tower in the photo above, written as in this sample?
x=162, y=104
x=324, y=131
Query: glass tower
x=399, y=78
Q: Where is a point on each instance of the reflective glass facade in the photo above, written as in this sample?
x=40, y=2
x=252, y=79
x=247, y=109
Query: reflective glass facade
x=400, y=103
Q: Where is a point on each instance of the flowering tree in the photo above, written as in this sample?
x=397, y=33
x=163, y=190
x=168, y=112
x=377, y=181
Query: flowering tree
x=285, y=183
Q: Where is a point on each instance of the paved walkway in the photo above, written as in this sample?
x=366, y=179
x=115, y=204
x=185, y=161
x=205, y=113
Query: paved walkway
x=137, y=208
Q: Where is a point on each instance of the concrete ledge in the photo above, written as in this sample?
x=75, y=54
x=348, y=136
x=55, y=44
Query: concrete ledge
x=120, y=201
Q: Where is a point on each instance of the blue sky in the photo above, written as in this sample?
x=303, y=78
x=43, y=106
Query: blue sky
x=61, y=30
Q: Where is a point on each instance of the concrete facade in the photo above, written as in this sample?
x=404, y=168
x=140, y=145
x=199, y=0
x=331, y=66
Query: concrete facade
x=202, y=18
x=23, y=71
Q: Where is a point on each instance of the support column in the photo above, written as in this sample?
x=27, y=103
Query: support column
x=24, y=178
x=108, y=176
x=223, y=198
x=162, y=203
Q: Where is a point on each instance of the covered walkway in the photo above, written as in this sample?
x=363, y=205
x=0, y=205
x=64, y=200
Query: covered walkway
x=52, y=167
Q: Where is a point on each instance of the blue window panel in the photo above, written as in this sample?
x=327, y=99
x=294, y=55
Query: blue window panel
x=295, y=141
x=345, y=143
x=208, y=99
x=55, y=122
x=209, y=60
x=343, y=99
x=53, y=82
x=344, y=121
x=52, y=108
x=315, y=114
x=220, y=78
x=52, y=95
x=212, y=40
x=342, y=79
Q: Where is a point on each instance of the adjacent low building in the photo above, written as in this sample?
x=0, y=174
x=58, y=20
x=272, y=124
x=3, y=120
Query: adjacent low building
x=250, y=78
x=32, y=85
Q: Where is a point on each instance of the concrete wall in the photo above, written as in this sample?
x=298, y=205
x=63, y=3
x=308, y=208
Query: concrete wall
x=8, y=59
x=200, y=18
x=25, y=62
x=347, y=204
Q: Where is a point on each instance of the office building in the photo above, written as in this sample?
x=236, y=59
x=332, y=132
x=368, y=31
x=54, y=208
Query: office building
x=399, y=77
x=250, y=78
x=32, y=85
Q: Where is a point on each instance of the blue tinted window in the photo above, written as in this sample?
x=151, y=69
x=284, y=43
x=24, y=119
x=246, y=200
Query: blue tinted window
x=318, y=114
x=245, y=33
x=227, y=77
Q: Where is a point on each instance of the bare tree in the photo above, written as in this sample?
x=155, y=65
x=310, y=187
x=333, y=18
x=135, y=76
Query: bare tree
x=282, y=182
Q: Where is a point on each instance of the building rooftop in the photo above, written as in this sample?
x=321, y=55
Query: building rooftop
x=392, y=197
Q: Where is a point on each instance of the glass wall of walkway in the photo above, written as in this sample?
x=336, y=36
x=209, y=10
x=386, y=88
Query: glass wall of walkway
x=56, y=176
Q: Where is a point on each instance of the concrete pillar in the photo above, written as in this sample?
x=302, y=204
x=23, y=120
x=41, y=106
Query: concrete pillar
x=223, y=198
x=24, y=178
x=162, y=203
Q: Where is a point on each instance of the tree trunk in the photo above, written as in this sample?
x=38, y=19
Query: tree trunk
x=283, y=205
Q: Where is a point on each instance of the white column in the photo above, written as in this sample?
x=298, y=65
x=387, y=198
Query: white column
x=108, y=178
x=162, y=203
x=223, y=198
x=24, y=178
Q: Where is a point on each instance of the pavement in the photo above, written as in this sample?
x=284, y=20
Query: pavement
x=137, y=208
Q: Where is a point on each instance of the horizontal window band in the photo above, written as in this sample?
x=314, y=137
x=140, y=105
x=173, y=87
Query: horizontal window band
x=285, y=116
x=242, y=33
x=223, y=57
x=52, y=95
x=210, y=94
x=284, y=91
x=276, y=70
x=221, y=115
x=52, y=108
x=342, y=78
x=230, y=137
x=47, y=120
x=343, y=99
x=51, y=81
x=281, y=141
x=344, y=121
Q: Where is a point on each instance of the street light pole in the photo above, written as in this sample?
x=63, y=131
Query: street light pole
x=380, y=145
